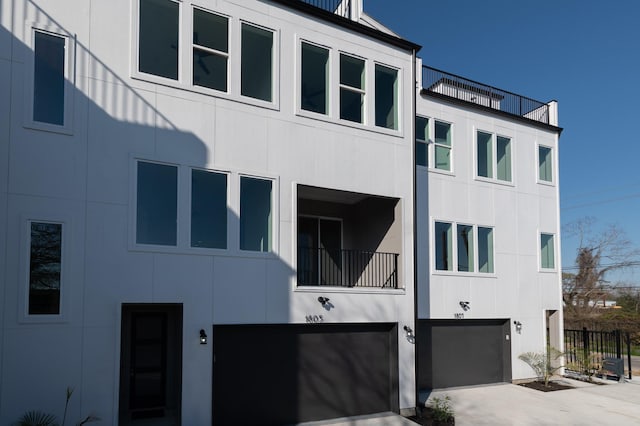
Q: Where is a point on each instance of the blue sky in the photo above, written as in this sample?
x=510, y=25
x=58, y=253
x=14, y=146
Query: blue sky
x=583, y=53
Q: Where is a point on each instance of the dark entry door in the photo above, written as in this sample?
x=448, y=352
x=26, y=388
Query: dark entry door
x=150, y=364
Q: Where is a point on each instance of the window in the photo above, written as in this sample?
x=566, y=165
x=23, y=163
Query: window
x=158, y=46
x=547, y=256
x=45, y=268
x=500, y=168
x=351, y=88
x=157, y=204
x=473, y=245
x=314, y=94
x=49, y=78
x=208, y=209
x=422, y=141
x=386, y=104
x=545, y=163
x=256, y=78
x=442, y=145
x=255, y=214
x=210, y=50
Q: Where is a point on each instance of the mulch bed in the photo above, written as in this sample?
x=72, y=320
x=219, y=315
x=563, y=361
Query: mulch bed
x=553, y=386
x=426, y=419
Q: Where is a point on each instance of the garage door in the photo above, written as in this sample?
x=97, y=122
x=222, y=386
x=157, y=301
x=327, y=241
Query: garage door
x=463, y=352
x=283, y=374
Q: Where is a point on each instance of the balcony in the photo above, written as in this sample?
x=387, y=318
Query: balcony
x=337, y=7
x=444, y=84
x=348, y=239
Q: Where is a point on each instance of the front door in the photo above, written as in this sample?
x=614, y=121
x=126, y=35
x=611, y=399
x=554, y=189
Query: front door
x=150, y=364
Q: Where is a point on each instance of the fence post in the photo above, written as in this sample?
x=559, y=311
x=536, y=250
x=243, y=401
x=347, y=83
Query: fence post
x=629, y=352
x=618, y=344
x=585, y=345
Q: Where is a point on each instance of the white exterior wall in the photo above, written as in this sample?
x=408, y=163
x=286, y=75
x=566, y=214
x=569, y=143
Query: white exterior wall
x=518, y=211
x=86, y=179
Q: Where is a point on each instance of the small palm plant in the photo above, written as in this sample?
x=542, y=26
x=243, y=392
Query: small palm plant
x=543, y=363
x=40, y=418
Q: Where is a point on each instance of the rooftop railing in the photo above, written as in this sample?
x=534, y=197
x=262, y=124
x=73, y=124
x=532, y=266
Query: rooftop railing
x=339, y=7
x=453, y=86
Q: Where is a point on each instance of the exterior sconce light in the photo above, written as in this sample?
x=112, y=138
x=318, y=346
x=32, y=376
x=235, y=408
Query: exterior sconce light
x=203, y=337
x=323, y=300
x=518, y=325
x=408, y=330
x=465, y=306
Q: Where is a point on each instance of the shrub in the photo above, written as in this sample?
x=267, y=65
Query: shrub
x=542, y=363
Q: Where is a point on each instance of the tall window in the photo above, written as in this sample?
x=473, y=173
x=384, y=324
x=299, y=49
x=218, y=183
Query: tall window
x=545, y=164
x=386, y=105
x=255, y=214
x=442, y=145
x=49, y=78
x=547, y=252
x=208, y=209
x=493, y=163
x=210, y=50
x=422, y=141
x=443, y=246
x=157, y=204
x=158, y=48
x=314, y=85
x=485, y=250
x=473, y=246
x=352, y=77
x=45, y=268
x=256, y=79
x=465, y=248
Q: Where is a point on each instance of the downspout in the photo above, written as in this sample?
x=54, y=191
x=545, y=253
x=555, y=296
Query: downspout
x=414, y=230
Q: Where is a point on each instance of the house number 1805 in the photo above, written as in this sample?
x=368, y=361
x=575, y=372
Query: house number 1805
x=314, y=319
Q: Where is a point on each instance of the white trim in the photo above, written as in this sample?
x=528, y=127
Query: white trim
x=555, y=251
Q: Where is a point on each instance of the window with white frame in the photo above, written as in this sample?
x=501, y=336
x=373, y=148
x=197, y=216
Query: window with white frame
x=547, y=251
x=472, y=245
x=50, y=63
x=314, y=84
x=442, y=145
x=156, y=204
x=386, y=97
x=352, y=88
x=422, y=141
x=256, y=202
x=158, y=38
x=545, y=164
x=256, y=79
x=210, y=50
x=493, y=156
x=208, y=209
x=45, y=268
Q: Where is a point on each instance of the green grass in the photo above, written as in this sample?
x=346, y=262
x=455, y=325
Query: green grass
x=635, y=350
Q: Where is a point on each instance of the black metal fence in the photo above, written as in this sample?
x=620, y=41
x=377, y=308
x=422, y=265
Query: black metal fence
x=339, y=7
x=347, y=268
x=589, y=352
x=461, y=88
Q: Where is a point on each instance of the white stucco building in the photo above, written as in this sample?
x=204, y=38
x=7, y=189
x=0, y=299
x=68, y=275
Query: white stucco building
x=211, y=209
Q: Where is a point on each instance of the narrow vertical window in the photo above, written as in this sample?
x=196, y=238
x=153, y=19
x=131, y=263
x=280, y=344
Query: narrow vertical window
x=547, y=252
x=157, y=204
x=351, y=89
x=485, y=250
x=485, y=154
x=545, y=163
x=503, y=158
x=442, y=145
x=314, y=82
x=443, y=246
x=45, y=268
x=256, y=75
x=465, y=248
x=255, y=214
x=48, y=78
x=210, y=50
x=386, y=102
x=422, y=135
x=208, y=209
x=158, y=49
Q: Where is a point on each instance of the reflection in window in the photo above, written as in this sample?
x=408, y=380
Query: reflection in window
x=257, y=69
x=442, y=145
x=485, y=250
x=158, y=38
x=315, y=79
x=465, y=248
x=422, y=134
x=157, y=204
x=485, y=154
x=208, y=209
x=210, y=50
x=443, y=246
x=48, y=78
x=351, y=89
x=386, y=105
x=255, y=214
x=45, y=261
x=547, y=255
x=503, y=158
x=544, y=163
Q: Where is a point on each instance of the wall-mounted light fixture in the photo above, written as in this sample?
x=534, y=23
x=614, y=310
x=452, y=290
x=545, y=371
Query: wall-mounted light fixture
x=518, y=325
x=465, y=306
x=203, y=337
x=323, y=300
x=408, y=330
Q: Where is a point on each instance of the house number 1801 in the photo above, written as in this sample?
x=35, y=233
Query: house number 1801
x=314, y=319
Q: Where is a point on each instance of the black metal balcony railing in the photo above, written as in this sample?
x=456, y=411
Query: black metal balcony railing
x=454, y=86
x=339, y=7
x=347, y=268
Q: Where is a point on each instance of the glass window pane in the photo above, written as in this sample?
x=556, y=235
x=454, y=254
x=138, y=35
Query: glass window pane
x=157, y=204
x=421, y=154
x=255, y=214
x=314, y=79
x=48, y=78
x=386, y=104
x=465, y=248
x=352, y=72
x=422, y=128
x=351, y=105
x=158, y=42
x=545, y=162
x=503, y=154
x=208, y=209
x=257, y=67
x=45, y=263
x=209, y=70
x=485, y=250
x=443, y=157
x=443, y=133
x=547, y=255
x=210, y=30
x=444, y=260
x=485, y=154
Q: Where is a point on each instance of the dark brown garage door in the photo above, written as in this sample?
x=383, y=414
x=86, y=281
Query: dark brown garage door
x=283, y=374
x=463, y=352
